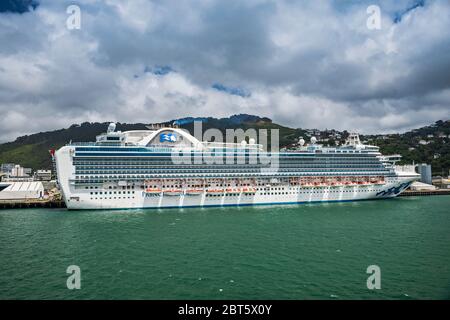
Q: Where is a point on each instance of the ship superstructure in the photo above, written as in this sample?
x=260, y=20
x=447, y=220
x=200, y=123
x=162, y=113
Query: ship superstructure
x=167, y=167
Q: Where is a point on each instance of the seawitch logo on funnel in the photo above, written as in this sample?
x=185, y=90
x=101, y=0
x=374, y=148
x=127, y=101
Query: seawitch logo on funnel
x=168, y=137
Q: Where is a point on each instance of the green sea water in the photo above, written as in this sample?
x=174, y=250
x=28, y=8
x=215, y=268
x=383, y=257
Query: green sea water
x=317, y=251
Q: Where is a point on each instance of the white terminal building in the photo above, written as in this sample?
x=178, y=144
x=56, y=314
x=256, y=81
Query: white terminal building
x=21, y=190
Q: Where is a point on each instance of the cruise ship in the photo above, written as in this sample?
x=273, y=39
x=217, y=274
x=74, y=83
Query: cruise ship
x=137, y=169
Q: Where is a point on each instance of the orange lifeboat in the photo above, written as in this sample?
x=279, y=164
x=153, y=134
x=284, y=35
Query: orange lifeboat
x=194, y=192
x=233, y=190
x=153, y=191
x=249, y=190
x=215, y=191
x=173, y=192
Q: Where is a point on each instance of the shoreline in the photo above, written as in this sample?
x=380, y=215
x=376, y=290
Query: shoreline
x=24, y=204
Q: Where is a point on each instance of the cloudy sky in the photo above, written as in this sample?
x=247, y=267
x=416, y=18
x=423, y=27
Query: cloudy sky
x=310, y=64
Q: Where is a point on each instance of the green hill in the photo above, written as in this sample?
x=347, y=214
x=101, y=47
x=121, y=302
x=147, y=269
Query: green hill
x=424, y=145
x=33, y=150
x=428, y=144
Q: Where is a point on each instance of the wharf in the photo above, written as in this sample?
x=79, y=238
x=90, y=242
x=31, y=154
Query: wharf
x=411, y=193
x=21, y=204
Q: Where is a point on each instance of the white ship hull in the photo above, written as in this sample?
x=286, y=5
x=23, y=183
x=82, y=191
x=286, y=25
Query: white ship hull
x=284, y=196
x=128, y=194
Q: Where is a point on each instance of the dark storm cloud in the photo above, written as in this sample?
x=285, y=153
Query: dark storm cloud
x=221, y=37
x=233, y=43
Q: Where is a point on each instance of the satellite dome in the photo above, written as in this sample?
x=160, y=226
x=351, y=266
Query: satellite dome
x=111, y=127
x=251, y=141
x=301, y=142
x=313, y=140
x=243, y=143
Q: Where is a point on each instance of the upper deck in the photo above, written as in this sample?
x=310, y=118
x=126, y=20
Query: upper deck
x=168, y=140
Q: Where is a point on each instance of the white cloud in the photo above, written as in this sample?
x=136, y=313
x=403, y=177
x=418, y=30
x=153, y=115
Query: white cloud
x=311, y=64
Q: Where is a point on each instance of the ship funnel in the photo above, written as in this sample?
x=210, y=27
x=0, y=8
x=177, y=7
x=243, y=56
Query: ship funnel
x=353, y=140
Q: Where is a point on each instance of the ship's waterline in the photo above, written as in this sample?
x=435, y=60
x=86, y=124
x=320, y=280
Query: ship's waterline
x=270, y=252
